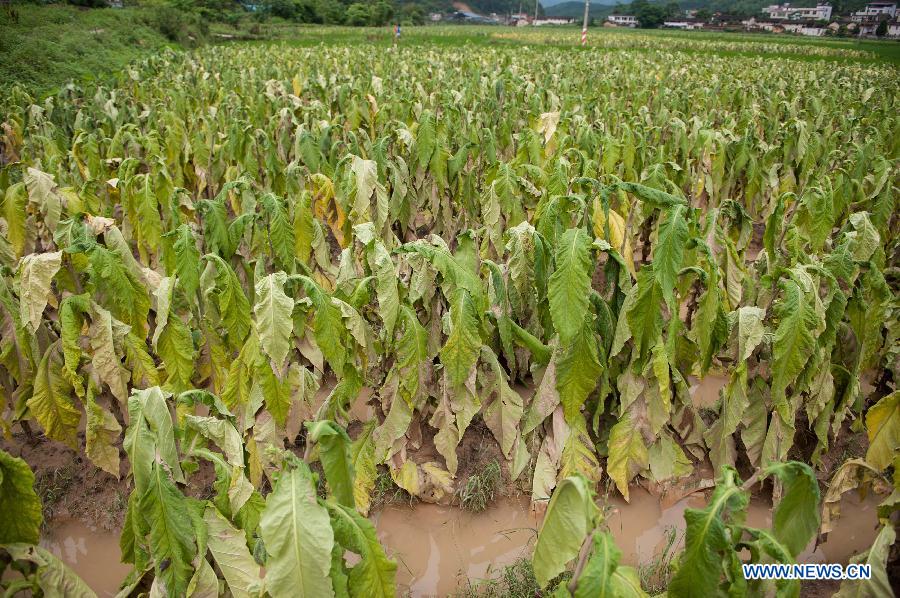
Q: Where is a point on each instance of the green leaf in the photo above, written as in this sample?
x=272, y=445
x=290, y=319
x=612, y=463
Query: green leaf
x=328, y=326
x=176, y=349
x=374, y=574
x=280, y=231
x=700, y=567
x=570, y=516
x=274, y=325
x=411, y=352
x=228, y=547
x=53, y=576
x=460, y=352
x=668, y=253
x=602, y=576
x=386, y=279
x=17, y=496
x=36, y=272
x=171, y=533
x=150, y=433
x=645, y=318
x=334, y=453
x=187, y=260
x=51, y=402
x=298, y=538
x=883, y=428
x=578, y=369
x=570, y=284
x=234, y=309
x=796, y=518
x=117, y=289
x=794, y=338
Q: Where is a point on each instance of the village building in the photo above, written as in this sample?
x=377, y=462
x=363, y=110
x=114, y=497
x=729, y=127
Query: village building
x=785, y=12
x=623, y=20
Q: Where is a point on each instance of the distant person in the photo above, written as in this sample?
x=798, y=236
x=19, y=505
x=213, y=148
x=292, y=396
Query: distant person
x=397, y=33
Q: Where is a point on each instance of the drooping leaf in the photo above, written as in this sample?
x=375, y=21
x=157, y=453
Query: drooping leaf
x=171, y=533
x=298, y=537
x=228, y=547
x=796, y=518
x=627, y=453
x=374, y=574
x=17, y=496
x=36, y=272
x=570, y=516
x=51, y=402
x=54, y=577
x=883, y=428
x=700, y=566
x=334, y=453
x=570, y=283
x=460, y=352
x=603, y=577
x=274, y=325
x=668, y=253
x=101, y=434
x=879, y=584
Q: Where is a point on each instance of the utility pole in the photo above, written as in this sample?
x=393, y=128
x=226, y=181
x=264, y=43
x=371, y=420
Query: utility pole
x=587, y=8
x=535, y=10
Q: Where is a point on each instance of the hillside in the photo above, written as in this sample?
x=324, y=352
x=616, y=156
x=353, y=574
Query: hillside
x=47, y=45
x=572, y=9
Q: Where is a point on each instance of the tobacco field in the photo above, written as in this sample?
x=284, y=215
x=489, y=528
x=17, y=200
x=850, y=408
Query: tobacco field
x=211, y=267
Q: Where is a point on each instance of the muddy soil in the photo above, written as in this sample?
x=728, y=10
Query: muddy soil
x=439, y=549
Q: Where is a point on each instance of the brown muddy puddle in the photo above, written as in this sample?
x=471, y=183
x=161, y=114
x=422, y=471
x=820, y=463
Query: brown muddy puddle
x=91, y=552
x=439, y=548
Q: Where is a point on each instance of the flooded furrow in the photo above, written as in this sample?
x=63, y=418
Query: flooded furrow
x=439, y=548
x=92, y=553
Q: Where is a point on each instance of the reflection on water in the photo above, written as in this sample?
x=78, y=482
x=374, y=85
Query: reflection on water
x=437, y=547
x=92, y=553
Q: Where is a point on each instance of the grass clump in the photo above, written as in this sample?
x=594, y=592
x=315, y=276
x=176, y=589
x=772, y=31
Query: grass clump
x=51, y=486
x=515, y=581
x=387, y=492
x=481, y=488
x=656, y=575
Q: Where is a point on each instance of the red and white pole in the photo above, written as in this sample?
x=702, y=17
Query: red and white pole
x=584, y=37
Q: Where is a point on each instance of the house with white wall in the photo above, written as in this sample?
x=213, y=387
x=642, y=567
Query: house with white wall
x=623, y=20
x=875, y=11
x=786, y=12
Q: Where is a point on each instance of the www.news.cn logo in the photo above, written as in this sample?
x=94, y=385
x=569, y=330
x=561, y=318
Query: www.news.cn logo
x=810, y=571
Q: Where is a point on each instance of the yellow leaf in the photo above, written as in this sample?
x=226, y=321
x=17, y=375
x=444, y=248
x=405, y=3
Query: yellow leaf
x=617, y=233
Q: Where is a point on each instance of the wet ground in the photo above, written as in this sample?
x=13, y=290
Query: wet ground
x=438, y=548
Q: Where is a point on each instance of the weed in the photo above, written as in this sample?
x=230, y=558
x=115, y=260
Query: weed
x=51, y=486
x=656, y=574
x=515, y=581
x=386, y=492
x=481, y=488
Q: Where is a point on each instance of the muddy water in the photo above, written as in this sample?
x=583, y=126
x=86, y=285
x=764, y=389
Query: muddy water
x=438, y=548
x=92, y=553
